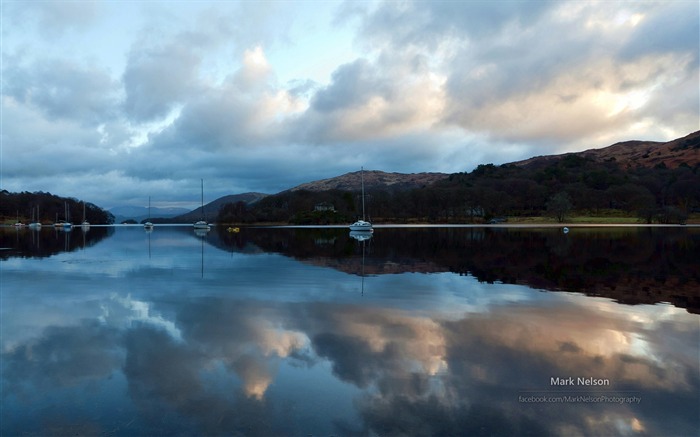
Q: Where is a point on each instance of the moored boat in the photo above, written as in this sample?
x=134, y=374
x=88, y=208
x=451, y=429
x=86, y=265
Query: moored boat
x=202, y=225
x=362, y=225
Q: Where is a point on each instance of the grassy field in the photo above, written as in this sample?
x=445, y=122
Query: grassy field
x=603, y=220
x=592, y=219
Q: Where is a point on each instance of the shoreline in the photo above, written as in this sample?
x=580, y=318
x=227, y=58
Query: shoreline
x=514, y=225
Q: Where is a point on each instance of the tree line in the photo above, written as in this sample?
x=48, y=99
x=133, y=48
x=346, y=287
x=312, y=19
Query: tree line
x=572, y=184
x=49, y=208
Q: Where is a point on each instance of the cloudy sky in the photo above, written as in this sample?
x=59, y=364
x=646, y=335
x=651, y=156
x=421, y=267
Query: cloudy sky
x=115, y=101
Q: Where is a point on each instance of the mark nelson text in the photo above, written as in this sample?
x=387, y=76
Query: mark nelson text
x=586, y=381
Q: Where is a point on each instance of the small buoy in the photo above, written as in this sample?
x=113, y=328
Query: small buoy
x=566, y=230
x=235, y=230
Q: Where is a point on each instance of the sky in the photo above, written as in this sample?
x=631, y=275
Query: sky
x=113, y=102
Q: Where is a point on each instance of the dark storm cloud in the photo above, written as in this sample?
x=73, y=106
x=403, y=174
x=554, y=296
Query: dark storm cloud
x=64, y=90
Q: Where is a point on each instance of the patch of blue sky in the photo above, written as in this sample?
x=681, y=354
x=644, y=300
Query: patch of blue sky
x=449, y=293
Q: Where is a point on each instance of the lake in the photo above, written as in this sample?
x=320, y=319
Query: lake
x=421, y=331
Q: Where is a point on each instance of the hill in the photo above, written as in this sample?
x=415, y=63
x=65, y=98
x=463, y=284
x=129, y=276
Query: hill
x=374, y=180
x=211, y=209
x=140, y=213
x=655, y=182
x=50, y=208
x=634, y=154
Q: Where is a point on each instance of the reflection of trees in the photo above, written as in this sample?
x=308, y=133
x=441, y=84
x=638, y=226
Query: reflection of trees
x=631, y=265
x=28, y=243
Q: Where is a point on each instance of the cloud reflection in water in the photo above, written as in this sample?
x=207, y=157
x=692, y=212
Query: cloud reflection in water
x=225, y=359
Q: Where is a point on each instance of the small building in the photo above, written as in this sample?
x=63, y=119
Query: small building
x=324, y=206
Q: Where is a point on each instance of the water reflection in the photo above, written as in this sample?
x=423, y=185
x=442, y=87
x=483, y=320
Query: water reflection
x=278, y=342
x=630, y=265
x=47, y=241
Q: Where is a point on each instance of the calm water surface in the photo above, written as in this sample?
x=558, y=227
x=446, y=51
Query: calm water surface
x=416, y=331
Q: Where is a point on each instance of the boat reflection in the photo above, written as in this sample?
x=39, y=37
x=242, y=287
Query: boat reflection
x=48, y=240
x=361, y=235
x=201, y=232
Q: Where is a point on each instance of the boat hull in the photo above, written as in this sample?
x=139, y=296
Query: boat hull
x=361, y=225
x=202, y=225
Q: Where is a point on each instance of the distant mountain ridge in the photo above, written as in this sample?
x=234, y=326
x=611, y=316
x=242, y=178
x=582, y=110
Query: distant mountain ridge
x=139, y=213
x=627, y=154
x=374, y=179
x=631, y=154
x=211, y=209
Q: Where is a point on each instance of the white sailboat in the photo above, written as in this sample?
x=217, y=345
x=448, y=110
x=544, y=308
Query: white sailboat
x=57, y=223
x=148, y=226
x=67, y=225
x=362, y=225
x=202, y=225
x=85, y=225
x=18, y=224
x=36, y=222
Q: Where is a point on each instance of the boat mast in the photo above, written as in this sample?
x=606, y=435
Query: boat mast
x=362, y=179
x=202, y=199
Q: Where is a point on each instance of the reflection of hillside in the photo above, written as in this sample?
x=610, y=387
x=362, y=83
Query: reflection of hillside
x=630, y=265
x=28, y=243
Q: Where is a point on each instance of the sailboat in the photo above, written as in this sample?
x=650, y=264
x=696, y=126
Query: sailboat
x=67, y=225
x=18, y=224
x=202, y=224
x=362, y=225
x=36, y=222
x=85, y=225
x=148, y=225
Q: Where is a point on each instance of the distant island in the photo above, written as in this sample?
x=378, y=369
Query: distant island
x=628, y=182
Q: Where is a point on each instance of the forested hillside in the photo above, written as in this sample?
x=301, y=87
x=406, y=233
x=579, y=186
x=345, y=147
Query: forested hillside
x=50, y=208
x=560, y=186
x=652, y=182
